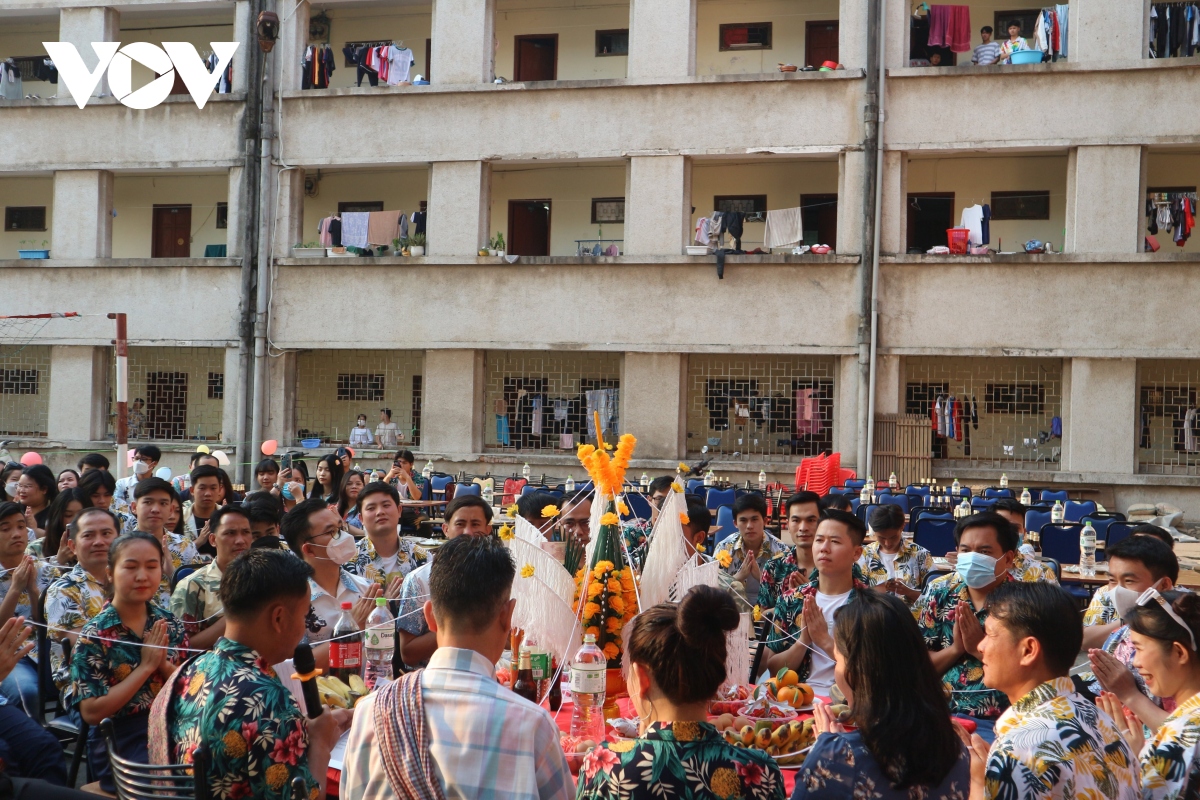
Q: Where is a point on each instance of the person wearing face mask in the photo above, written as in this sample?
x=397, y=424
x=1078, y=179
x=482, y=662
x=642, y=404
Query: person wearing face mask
x=468, y=515
x=953, y=608
x=360, y=434
x=315, y=533
x=9, y=477
x=1163, y=626
x=145, y=461
x=672, y=706
x=1138, y=563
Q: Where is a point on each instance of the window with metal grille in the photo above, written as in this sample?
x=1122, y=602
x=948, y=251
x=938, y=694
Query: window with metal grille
x=25, y=218
x=175, y=385
x=216, y=386
x=359, y=387
x=746, y=36
x=919, y=398
x=746, y=204
x=19, y=381
x=222, y=216
x=1168, y=424
x=1015, y=398
x=322, y=411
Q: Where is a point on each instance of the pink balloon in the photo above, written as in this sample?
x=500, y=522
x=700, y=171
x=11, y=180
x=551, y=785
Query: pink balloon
x=350, y=450
x=31, y=458
x=269, y=447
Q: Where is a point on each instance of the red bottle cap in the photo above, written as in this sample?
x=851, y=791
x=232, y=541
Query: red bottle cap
x=347, y=605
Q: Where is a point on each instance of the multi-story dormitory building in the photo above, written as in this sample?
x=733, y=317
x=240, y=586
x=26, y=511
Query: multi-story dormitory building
x=622, y=120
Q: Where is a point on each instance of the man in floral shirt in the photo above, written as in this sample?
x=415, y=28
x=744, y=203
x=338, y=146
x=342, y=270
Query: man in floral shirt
x=196, y=600
x=152, y=502
x=890, y=563
x=803, y=514
x=383, y=557
x=232, y=701
x=744, y=555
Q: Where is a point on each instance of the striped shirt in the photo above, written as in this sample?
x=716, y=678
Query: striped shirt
x=486, y=741
x=986, y=54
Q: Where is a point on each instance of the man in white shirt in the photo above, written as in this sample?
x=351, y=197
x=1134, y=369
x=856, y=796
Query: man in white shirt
x=145, y=461
x=387, y=435
x=316, y=534
x=451, y=730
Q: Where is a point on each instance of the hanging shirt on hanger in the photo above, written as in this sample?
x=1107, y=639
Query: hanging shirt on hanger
x=400, y=61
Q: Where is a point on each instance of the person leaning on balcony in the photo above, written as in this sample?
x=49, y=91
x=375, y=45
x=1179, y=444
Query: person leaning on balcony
x=1014, y=43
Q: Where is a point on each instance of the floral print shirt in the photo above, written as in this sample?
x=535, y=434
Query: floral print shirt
x=1031, y=570
x=684, y=760
x=1053, y=743
x=107, y=651
x=1166, y=757
x=231, y=700
x=732, y=553
x=935, y=611
x=370, y=565
x=912, y=564
x=1120, y=646
x=1101, y=610
x=839, y=767
x=71, y=601
x=196, y=600
x=636, y=534
x=785, y=630
x=773, y=583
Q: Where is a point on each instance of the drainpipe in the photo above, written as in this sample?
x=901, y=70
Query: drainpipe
x=869, y=268
x=880, y=120
x=267, y=200
x=252, y=216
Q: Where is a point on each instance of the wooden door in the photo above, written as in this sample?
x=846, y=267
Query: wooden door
x=171, y=232
x=529, y=227
x=930, y=214
x=166, y=405
x=820, y=42
x=819, y=214
x=535, y=57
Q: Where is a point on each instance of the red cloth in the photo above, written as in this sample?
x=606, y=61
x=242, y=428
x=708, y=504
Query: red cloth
x=960, y=29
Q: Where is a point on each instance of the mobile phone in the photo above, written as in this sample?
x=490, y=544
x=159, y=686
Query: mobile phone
x=287, y=461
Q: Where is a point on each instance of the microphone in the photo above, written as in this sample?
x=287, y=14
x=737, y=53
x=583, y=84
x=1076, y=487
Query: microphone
x=306, y=673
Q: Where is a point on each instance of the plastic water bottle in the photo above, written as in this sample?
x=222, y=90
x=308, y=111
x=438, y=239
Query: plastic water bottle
x=488, y=493
x=570, y=484
x=1087, y=551
x=762, y=479
x=964, y=508
x=1003, y=481
x=525, y=472
x=379, y=645
x=893, y=482
x=956, y=488
x=1057, y=513
x=587, y=690
x=427, y=473
x=864, y=496
x=1026, y=498
x=644, y=481
x=709, y=478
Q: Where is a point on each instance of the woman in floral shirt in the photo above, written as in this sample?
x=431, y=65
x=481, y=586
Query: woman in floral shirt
x=125, y=653
x=679, y=755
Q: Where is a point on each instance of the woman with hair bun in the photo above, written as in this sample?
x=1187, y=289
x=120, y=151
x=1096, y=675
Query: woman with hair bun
x=676, y=659
x=1164, y=628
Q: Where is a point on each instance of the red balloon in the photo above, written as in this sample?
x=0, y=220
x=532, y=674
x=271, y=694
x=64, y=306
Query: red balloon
x=31, y=458
x=269, y=447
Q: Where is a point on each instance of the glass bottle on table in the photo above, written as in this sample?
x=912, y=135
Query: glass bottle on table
x=556, y=697
x=346, y=647
x=525, y=684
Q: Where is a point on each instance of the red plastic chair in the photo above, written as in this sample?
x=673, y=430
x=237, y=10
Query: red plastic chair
x=512, y=490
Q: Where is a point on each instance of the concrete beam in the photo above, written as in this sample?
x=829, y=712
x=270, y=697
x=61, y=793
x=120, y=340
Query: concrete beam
x=293, y=39
x=236, y=216
x=289, y=213
x=653, y=397
x=233, y=389
x=78, y=393
x=280, y=402
x=452, y=408
x=464, y=42
x=845, y=416
x=243, y=31
x=658, y=205
x=894, y=221
x=81, y=27
x=1105, y=199
x=460, y=200
x=82, y=224
x=662, y=38
x=852, y=33
x=1099, y=435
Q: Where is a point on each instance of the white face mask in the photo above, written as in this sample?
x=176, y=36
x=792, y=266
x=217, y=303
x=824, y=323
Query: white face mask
x=11, y=488
x=362, y=423
x=341, y=549
x=1124, y=600
x=140, y=468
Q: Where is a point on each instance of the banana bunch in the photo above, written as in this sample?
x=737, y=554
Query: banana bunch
x=782, y=741
x=336, y=694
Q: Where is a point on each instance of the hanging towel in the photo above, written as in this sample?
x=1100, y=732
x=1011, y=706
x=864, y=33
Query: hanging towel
x=939, y=26
x=383, y=227
x=960, y=29
x=354, y=228
x=972, y=220
x=783, y=228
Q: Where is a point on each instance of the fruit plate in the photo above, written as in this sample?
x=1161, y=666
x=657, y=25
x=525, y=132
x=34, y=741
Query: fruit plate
x=775, y=719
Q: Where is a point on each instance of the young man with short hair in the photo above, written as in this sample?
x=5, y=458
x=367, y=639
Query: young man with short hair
x=636, y=531
x=450, y=730
x=787, y=571
x=575, y=519
x=206, y=488
x=988, y=52
x=196, y=600
x=953, y=608
x=745, y=555
x=266, y=512
x=891, y=564
x=198, y=459
x=152, y=503
x=145, y=461
x=530, y=506
x=92, y=461
x=1051, y=742
x=383, y=557
x=18, y=597
x=801, y=637
x=317, y=534
x=1026, y=566
x=232, y=701
x=387, y=433
x=468, y=515
x=409, y=483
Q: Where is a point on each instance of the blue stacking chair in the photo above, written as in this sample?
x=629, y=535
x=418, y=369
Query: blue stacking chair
x=1118, y=531
x=1061, y=542
x=725, y=526
x=979, y=504
x=461, y=489
x=639, y=506
x=855, y=484
x=895, y=500
x=1034, y=520
x=720, y=497
x=864, y=512
x=1050, y=497
x=695, y=486
x=993, y=491
x=935, y=535
x=915, y=489
x=1076, y=510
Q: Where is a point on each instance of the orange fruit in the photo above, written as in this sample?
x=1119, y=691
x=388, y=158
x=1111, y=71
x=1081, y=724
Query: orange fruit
x=789, y=678
x=788, y=695
x=804, y=694
x=773, y=687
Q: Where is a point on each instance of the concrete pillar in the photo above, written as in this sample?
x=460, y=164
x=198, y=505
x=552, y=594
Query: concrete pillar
x=658, y=205
x=653, y=387
x=81, y=27
x=892, y=226
x=78, y=396
x=280, y=403
x=289, y=219
x=845, y=415
x=851, y=174
x=1100, y=433
x=452, y=409
x=1105, y=199
x=460, y=207
x=243, y=31
x=293, y=38
x=1109, y=30
x=889, y=384
x=233, y=389
x=896, y=36
x=463, y=42
x=236, y=215
x=82, y=219
x=852, y=33
x=662, y=38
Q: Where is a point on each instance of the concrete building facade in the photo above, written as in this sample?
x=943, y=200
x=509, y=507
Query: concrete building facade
x=1080, y=364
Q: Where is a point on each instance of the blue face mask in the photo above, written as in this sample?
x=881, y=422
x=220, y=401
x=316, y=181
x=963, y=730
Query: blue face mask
x=976, y=569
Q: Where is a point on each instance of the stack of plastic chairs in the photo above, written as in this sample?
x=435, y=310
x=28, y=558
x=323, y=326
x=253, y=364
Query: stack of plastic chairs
x=820, y=473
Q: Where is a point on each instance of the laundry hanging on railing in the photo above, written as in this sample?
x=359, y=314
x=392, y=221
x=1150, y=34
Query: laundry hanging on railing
x=225, y=83
x=1173, y=213
x=317, y=67
x=11, y=87
x=329, y=232
x=1050, y=31
x=950, y=26
x=1174, y=30
x=784, y=227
